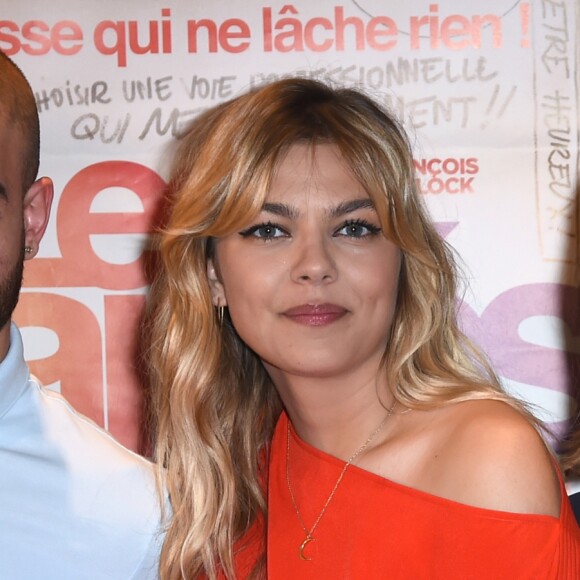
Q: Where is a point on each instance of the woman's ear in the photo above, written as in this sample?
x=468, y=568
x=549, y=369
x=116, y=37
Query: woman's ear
x=216, y=286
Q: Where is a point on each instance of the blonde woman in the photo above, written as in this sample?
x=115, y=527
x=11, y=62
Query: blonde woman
x=319, y=413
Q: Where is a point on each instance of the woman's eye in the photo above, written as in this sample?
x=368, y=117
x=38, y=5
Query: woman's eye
x=264, y=232
x=358, y=229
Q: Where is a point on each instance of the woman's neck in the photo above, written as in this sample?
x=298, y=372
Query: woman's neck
x=334, y=415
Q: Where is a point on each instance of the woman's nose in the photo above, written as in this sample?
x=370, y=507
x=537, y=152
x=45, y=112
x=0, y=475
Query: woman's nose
x=313, y=261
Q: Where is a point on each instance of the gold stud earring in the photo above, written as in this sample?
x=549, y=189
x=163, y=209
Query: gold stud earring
x=28, y=249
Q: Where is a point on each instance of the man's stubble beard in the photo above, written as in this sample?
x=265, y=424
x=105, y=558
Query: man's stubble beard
x=10, y=288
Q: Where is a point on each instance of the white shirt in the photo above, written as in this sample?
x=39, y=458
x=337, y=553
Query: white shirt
x=74, y=503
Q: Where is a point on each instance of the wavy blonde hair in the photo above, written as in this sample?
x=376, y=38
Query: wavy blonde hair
x=215, y=406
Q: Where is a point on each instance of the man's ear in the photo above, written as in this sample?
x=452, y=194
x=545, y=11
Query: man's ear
x=37, y=203
x=216, y=286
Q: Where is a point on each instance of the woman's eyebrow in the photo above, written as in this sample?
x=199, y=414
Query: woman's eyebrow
x=281, y=209
x=349, y=206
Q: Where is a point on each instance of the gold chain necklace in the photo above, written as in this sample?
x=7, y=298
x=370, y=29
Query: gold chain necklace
x=310, y=533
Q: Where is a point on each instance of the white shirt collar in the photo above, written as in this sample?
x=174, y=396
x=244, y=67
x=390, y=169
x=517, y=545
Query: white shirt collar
x=14, y=373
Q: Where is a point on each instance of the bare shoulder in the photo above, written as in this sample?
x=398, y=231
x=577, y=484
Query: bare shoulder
x=491, y=456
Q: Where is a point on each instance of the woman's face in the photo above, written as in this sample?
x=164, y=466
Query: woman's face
x=311, y=283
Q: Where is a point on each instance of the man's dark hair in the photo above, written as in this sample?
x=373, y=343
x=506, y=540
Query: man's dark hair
x=18, y=105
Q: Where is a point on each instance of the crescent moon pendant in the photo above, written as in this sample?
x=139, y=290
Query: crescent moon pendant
x=303, y=545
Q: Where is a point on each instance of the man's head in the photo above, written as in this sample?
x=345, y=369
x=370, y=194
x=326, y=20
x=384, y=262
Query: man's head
x=24, y=202
x=18, y=106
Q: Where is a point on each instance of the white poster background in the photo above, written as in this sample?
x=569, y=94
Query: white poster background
x=486, y=89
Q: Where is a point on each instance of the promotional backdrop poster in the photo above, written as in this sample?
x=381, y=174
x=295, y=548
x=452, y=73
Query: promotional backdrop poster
x=487, y=90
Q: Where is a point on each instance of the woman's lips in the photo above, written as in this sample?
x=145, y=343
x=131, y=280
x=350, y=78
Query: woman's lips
x=315, y=314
